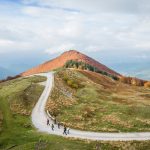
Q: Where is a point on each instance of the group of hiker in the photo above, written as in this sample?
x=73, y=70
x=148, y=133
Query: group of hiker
x=66, y=130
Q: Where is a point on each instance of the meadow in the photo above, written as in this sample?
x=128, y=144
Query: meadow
x=17, y=99
x=89, y=101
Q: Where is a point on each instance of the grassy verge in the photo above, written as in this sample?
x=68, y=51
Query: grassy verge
x=89, y=101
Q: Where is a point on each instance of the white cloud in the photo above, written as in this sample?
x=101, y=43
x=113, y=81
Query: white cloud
x=4, y=42
x=52, y=26
x=7, y=46
x=97, y=6
x=33, y=11
x=63, y=47
x=143, y=56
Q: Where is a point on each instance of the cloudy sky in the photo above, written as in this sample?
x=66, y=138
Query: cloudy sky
x=115, y=32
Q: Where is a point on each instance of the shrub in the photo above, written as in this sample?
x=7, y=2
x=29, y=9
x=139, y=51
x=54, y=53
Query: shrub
x=137, y=82
x=84, y=66
x=69, y=82
x=87, y=112
x=74, y=85
x=65, y=77
x=10, y=78
x=132, y=81
x=147, y=84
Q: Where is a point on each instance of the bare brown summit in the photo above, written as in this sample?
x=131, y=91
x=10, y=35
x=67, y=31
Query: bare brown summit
x=63, y=58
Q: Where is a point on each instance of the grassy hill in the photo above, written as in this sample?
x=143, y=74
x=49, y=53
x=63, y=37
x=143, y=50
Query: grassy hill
x=90, y=101
x=17, y=99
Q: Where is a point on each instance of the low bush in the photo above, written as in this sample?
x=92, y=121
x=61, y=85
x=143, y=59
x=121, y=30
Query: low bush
x=147, y=84
x=10, y=78
x=84, y=66
x=132, y=81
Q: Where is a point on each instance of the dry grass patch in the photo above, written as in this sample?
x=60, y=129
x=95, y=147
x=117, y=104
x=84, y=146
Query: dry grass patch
x=22, y=102
x=61, y=97
x=97, y=78
x=22, y=93
x=146, y=121
x=114, y=119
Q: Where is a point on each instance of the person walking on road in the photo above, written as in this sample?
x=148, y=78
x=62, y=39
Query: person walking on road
x=55, y=121
x=65, y=130
x=68, y=130
x=58, y=125
x=52, y=127
x=48, y=122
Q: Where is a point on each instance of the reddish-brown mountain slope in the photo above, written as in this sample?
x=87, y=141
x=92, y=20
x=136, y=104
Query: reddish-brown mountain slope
x=63, y=58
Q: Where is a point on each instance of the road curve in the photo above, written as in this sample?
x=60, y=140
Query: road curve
x=39, y=119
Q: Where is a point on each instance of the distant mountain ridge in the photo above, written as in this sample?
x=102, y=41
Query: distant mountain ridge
x=63, y=58
x=4, y=73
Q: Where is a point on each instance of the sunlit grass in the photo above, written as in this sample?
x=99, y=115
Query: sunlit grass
x=99, y=103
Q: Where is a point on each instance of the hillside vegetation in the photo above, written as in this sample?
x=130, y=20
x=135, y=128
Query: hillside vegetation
x=133, y=81
x=84, y=66
x=90, y=101
x=147, y=84
x=17, y=132
x=22, y=94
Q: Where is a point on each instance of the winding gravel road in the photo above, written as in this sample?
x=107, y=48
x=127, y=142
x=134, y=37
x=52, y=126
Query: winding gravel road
x=39, y=119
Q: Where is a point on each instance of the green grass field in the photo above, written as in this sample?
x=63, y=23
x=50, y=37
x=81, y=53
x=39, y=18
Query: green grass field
x=17, y=99
x=90, y=101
